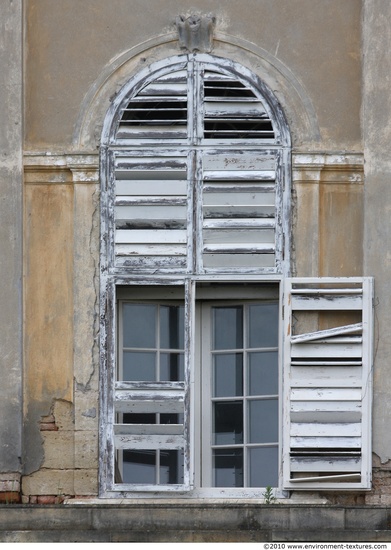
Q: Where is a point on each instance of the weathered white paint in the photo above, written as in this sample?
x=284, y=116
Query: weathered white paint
x=243, y=184
x=327, y=386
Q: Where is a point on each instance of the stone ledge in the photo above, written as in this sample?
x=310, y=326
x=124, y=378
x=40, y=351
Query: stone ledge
x=194, y=522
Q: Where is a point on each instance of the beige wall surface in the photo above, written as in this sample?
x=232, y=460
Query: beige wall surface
x=71, y=43
x=77, y=55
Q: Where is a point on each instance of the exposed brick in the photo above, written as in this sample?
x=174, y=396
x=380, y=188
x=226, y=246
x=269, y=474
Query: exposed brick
x=48, y=427
x=46, y=499
x=10, y=497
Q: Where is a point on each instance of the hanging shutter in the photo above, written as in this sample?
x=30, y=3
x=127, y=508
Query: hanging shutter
x=157, y=111
x=327, y=383
x=239, y=210
x=151, y=212
x=151, y=417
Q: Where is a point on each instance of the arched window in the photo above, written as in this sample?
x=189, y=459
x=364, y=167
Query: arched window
x=195, y=243
x=201, y=167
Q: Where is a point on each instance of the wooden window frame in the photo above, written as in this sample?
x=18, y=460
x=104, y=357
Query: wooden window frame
x=116, y=274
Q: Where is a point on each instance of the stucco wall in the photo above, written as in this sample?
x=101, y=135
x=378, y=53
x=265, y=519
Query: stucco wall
x=78, y=54
x=376, y=116
x=11, y=186
x=72, y=43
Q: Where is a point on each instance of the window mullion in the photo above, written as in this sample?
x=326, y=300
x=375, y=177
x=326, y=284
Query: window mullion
x=198, y=213
x=245, y=395
x=189, y=412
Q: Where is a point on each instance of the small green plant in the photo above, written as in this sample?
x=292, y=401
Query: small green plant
x=268, y=495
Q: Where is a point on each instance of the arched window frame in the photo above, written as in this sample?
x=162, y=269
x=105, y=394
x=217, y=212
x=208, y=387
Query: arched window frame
x=113, y=147
x=116, y=275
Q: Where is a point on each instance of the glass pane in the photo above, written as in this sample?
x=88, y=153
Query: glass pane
x=264, y=467
x=172, y=367
x=171, y=467
x=139, y=366
x=228, y=423
x=228, y=374
x=228, y=327
x=139, y=326
x=263, y=321
x=263, y=373
x=228, y=468
x=172, y=327
x=139, y=467
x=263, y=421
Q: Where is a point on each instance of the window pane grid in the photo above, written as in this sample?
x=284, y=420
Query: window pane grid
x=239, y=467
x=151, y=358
x=173, y=315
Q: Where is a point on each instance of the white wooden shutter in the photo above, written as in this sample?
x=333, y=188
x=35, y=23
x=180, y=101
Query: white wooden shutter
x=156, y=398
x=152, y=398
x=239, y=210
x=158, y=111
x=151, y=211
x=327, y=383
x=233, y=111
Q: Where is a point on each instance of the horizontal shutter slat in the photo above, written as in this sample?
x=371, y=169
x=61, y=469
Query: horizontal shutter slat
x=147, y=429
x=154, y=236
x=149, y=442
x=326, y=465
x=332, y=429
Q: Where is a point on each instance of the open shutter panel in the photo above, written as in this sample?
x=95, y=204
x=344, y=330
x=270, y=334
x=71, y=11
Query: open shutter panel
x=151, y=198
x=239, y=210
x=327, y=383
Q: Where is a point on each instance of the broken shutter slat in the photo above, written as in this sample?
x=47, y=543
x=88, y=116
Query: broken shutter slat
x=326, y=465
x=347, y=329
x=327, y=384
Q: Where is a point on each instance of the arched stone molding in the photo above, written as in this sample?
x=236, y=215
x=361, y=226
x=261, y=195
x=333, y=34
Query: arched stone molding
x=290, y=93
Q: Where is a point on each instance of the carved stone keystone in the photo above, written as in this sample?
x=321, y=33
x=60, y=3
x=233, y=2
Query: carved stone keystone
x=196, y=32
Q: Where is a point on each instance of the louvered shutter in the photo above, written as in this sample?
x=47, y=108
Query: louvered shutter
x=239, y=210
x=152, y=399
x=151, y=205
x=184, y=203
x=233, y=111
x=158, y=111
x=327, y=383
x=198, y=155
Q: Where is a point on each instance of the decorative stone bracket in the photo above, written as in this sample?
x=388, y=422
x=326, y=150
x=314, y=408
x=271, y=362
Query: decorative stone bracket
x=196, y=32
